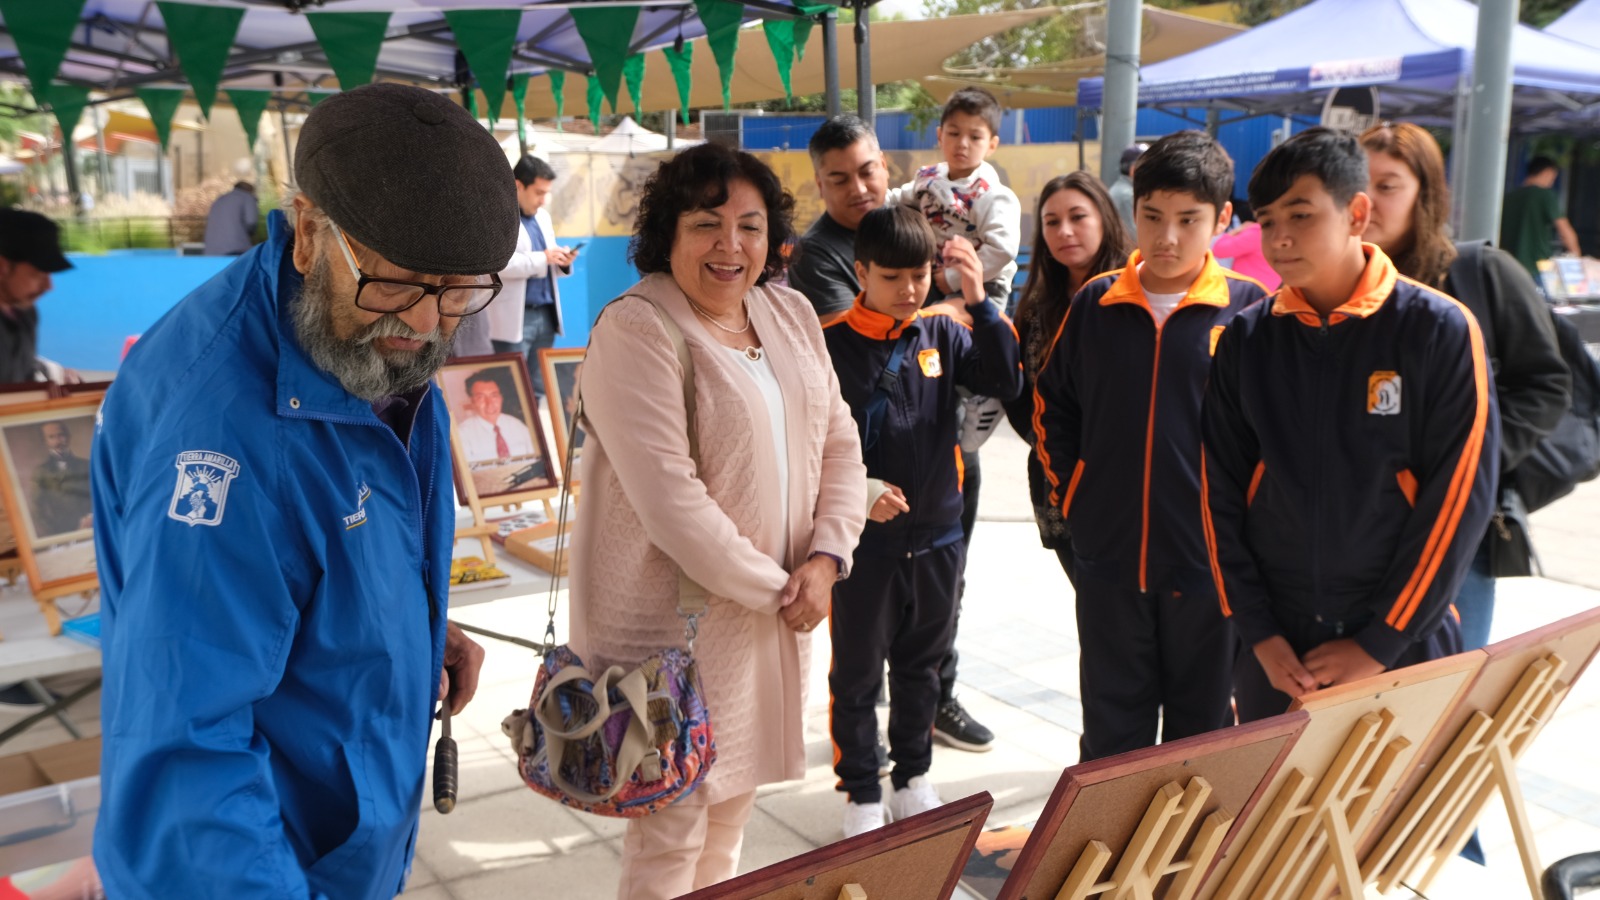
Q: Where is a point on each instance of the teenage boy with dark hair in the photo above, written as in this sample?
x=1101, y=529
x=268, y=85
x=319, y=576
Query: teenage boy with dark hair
x=1117, y=420
x=1351, y=445
x=899, y=367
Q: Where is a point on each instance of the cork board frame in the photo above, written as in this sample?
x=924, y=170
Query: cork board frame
x=1105, y=799
x=918, y=857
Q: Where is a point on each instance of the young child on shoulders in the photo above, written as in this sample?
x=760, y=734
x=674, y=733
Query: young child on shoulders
x=899, y=366
x=1351, y=444
x=1117, y=421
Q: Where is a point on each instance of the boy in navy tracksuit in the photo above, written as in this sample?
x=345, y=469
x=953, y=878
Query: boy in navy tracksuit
x=1117, y=421
x=899, y=368
x=1351, y=440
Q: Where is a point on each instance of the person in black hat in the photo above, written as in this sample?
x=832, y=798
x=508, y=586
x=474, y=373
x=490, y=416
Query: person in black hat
x=273, y=523
x=30, y=252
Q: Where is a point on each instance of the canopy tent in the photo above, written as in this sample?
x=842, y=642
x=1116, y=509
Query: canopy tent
x=1581, y=23
x=1418, y=53
x=900, y=51
x=1165, y=34
x=297, y=49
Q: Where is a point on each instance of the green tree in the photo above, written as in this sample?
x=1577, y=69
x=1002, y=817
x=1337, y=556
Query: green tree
x=1540, y=13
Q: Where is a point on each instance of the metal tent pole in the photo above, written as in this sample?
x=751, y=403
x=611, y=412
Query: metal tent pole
x=1121, y=103
x=866, y=102
x=1489, y=122
x=830, y=58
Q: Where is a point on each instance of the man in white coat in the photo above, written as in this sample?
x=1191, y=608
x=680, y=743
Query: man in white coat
x=527, y=314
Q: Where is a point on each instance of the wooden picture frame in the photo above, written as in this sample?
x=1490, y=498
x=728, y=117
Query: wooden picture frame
x=560, y=368
x=1103, y=809
x=918, y=857
x=16, y=394
x=501, y=384
x=44, y=485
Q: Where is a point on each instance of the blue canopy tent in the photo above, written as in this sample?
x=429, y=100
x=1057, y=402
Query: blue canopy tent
x=1417, y=53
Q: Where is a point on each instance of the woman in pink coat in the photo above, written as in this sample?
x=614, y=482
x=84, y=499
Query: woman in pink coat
x=1243, y=246
x=765, y=518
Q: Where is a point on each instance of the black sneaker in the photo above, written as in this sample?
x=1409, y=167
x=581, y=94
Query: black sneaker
x=883, y=756
x=955, y=727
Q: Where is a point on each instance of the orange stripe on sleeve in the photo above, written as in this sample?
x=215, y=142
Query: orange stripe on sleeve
x=1038, y=411
x=961, y=470
x=1255, y=483
x=1456, y=498
x=1211, y=537
x=1072, y=488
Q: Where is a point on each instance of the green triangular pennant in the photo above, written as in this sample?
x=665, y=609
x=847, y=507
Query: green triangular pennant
x=519, y=96
x=67, y=102
x=803, y=26
x=201, y=36
x=42, y=32
x=633, y=76
x=162, y=104
x=558, y=92
x=351, y=42
x=679, y=64
x=250, y=105
x=608, y=36
x=596, y=96
x=315, y=97
x=780, y=40
x=721, y=19
x=486, y=37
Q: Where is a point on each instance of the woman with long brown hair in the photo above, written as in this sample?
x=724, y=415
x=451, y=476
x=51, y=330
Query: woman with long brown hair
x=1410, y=216
x=1077, y=234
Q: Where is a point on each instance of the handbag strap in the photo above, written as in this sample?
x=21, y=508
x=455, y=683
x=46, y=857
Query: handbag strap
x=692, y=598
x=636, y=741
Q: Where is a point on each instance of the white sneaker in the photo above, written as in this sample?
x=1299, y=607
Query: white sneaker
x=918, y=796
x=860, y=818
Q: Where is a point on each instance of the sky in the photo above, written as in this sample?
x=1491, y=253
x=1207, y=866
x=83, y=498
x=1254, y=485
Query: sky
x=911, y=9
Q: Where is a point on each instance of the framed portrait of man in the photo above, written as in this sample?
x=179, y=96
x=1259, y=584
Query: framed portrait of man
x=497, y=439
x=562, y=368
x=45, y=449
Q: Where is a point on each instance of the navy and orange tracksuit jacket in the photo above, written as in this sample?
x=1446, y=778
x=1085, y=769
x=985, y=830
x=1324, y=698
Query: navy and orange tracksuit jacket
x=918, y=448
x=1350, y=461
x=1117, y=424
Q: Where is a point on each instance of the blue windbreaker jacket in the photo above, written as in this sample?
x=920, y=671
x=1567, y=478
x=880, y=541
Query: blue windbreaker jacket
x=274, y=564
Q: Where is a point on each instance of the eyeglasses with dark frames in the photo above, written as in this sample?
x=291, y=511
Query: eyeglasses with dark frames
x=393, y=295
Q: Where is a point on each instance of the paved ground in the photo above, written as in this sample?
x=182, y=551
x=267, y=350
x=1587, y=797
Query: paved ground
x=1019, y=676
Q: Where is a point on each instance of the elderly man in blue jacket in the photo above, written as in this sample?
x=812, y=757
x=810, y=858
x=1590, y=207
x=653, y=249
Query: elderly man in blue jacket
x=274, y=523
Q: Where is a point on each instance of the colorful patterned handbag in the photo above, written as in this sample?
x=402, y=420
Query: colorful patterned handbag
x=618, y=743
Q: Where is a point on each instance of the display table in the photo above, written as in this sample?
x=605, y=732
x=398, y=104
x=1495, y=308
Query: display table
x=28, y=653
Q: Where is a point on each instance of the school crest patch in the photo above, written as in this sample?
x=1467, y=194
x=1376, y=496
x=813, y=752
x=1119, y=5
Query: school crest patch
x=929, y=361
x=1383, y=394
x=202, y=491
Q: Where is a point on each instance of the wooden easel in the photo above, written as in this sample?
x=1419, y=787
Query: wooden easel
x=1481, y=761
x=1304, y=839
x=1142, y=807
x=481, y=528
x=919, y=857
x=1150, y=857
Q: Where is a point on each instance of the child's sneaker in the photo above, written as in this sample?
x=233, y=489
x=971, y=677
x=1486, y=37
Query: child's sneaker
x=918, y=796
x=860, y=818
x=980, y=415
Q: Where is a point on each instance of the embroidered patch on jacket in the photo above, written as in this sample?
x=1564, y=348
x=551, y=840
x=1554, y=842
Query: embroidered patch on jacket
x=1383, y=394
x=929, y=361
x=202, y=491
x=359, y=517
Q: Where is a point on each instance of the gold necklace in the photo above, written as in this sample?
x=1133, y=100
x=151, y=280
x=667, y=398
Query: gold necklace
x=709, y=318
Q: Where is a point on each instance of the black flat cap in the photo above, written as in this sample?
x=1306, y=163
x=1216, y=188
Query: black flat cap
x=411, y=175
x=31, y=238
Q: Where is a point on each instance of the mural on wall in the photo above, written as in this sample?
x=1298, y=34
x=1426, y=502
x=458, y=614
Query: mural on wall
x=598, y=193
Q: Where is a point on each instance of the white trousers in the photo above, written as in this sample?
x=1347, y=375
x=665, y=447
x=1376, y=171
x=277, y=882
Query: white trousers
x=685, y=847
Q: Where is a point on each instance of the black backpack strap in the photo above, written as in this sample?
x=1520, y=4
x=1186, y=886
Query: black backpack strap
x=1472, y=288
x=878, y=403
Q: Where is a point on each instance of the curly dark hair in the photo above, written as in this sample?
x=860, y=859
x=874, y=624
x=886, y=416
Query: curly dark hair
x=698, y=178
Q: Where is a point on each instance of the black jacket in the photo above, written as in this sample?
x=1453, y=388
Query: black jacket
x=917, y=447
x=1350, y=461
x=1531, y=380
